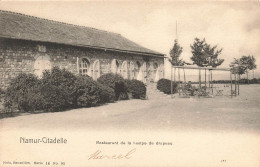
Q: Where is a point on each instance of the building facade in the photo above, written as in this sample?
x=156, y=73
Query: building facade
x=32, y=45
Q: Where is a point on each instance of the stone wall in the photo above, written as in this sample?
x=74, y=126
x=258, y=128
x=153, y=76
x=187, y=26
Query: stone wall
x=18, y=56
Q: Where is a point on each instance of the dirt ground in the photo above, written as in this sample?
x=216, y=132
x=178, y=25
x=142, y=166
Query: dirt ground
x=219, y=131
x=241, y=113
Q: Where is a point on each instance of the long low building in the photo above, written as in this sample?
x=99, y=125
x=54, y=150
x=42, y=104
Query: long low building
x=31, y=45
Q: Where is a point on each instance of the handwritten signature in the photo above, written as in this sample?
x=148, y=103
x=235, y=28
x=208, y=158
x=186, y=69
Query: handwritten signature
x=99, y=155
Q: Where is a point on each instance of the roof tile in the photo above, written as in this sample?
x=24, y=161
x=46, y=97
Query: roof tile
x=20, y=26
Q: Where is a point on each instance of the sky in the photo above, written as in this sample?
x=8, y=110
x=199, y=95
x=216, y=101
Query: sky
x=233, y=26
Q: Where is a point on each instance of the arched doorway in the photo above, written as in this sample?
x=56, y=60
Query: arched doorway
x=139, y=73
x=41, y=64
x=144, y=73
x=161, y=70
x=84, y=66
x=96, y=70
x=132, y=70
x=115, y=66
x=156, y=73
x=124, y=70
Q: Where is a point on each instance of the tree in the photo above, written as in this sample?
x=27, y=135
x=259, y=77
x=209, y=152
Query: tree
x=237, y=67
x=175, y=53
x=205, y=55
x=249, y=63
x=252, y=65
x=175, y=60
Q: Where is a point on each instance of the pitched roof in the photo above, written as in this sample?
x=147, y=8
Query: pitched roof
x=20, y=26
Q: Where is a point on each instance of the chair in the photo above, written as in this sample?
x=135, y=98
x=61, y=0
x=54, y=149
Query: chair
x=233, y=92
x=184, y=91
x=205, y=91
x=196, y=92
x=219, y=92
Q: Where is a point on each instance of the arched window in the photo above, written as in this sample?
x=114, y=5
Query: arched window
x=41, y=64
x=115, y=66
x=96, y=70
x=84, y=66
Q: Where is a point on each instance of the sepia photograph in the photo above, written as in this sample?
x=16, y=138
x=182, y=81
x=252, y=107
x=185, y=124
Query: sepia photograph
x=129, y=83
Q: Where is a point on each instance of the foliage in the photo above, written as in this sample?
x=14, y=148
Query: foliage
x=136, y=88
x=175, y=53
x=110, y=79
x=116, y=82
x=64, y=80
x=27, y=93
x=121, y=90
x=237, y=67
x=241, y=81
x=248, y=62
x=58, y=90
x=254, y=81
x=251, y=81
x=107, y=94
x=243, y=65
x=204, y=54
x=87, y=92
x=164, y=85
x=17, y=94
x=2, y=93
x=47, y=97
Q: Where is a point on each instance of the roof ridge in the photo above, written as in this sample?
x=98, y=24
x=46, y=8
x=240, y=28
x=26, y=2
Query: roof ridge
x=59, y=22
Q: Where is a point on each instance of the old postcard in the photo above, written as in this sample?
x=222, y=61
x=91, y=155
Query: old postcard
x=135, y=83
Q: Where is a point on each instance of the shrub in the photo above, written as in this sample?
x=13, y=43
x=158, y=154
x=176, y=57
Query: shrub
x=2, y=93
x=47, y=97
x=136, y=88
x=121, y=91
x=253, y=81
x=27, y=93
x=17, y=93
x=107, y=94
x=164, y=85
x=87, y=92
x=117, y=83
x=63, y=80
x=110, y=79
x=34, y=99
x=57, y=90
